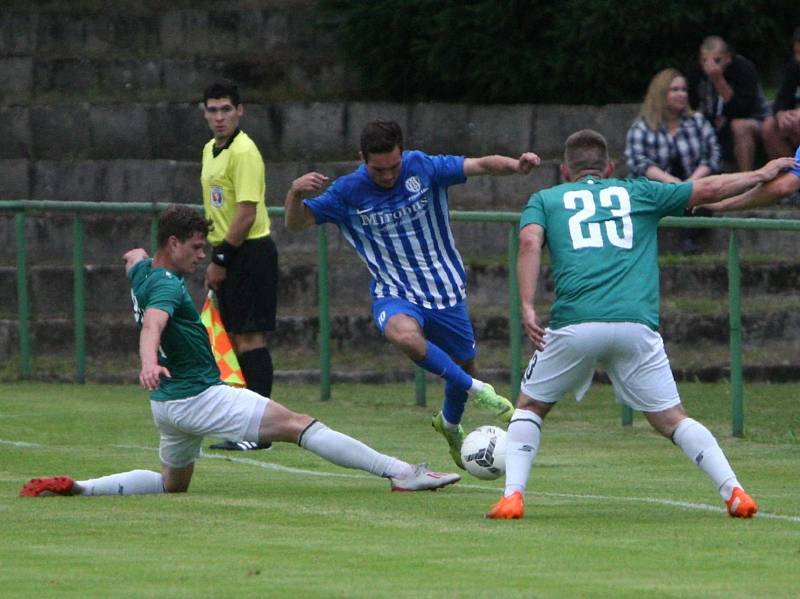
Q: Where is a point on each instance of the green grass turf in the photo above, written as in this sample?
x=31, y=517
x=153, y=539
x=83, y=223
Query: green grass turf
x=599, y=521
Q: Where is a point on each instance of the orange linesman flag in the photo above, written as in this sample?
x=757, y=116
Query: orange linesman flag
x=229, y=370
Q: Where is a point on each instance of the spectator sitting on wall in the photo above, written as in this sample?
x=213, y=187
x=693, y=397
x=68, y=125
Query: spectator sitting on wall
x=782, y=130
x=726, y=90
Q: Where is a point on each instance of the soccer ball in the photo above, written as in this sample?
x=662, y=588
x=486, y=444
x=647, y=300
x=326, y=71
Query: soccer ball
x=484, y=452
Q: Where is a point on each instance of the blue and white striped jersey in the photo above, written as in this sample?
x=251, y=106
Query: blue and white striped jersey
x=402, y=234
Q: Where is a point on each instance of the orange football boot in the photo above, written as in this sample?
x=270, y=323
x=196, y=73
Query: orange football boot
x=511, y=507
x=741, y=505
x=52, y=485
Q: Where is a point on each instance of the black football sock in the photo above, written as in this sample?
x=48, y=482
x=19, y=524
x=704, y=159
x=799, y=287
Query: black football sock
x=257, y=369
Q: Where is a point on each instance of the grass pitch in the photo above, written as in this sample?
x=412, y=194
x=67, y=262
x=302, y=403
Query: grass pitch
x=612, y=511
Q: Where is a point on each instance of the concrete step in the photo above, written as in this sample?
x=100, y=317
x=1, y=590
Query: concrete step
x=108, y=236
x=59, y=53
x=265, y=77
x=125, y=370
x=50, y=287
x=138, y=180
x=309, y=131
x=770, y=361
x=355, y=332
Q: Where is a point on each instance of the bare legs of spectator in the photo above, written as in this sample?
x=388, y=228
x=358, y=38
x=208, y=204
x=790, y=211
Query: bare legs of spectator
x=778, y=142
x=745, y=134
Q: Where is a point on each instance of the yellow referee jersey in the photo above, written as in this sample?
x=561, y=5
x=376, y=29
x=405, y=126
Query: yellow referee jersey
x=235, y=175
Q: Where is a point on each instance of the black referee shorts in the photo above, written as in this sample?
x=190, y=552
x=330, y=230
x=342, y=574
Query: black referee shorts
x=248, y=296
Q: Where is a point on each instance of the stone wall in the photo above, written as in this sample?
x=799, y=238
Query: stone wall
x=101, y=104
x=151, y=152
x=278, y=49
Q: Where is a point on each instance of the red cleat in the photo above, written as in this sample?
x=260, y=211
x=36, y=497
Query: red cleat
x=508, y=508
x=741, y=505
x=52, y=485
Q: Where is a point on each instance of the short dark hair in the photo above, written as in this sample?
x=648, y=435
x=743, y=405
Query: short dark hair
x=222, y=89
x=796, y=36
x=586, y=150
x=714, y=43
x=380, y=137
x=183, y=222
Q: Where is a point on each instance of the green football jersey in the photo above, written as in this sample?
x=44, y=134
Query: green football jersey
x=185, y=349
x=603, y=242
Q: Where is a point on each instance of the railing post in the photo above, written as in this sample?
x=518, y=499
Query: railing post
x=154, y=232
x=324, y=316
x=24, y=319
x=79, y=302
x=420, y=386
x=514, y=317
x=735, y=323
x=626, y=416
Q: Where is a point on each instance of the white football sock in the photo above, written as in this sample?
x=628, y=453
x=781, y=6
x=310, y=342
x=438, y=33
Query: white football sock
x=135, y=482
x=351, y=453
x=522, y=445
x=477, y=386
x=449, y=425
x=702, y=448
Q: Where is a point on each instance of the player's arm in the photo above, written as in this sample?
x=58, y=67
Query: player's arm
x=133, y=257
x=501, y=165
x=297, y=215
x=153, y=325
x=531, y=239
x=718, y=187
x=760, y=195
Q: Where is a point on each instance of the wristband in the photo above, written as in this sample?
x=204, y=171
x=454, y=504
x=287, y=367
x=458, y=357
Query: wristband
x=223, y=254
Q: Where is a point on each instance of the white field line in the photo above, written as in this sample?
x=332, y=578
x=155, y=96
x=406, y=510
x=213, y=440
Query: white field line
x=579, y=496
x=19, y=443
x=654, y=500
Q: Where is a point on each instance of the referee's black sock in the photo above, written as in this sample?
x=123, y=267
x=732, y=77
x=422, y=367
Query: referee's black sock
x=257, y=369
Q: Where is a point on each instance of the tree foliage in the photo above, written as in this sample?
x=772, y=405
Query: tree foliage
x=539, y=51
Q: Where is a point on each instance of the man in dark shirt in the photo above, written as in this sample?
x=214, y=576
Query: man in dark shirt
x=781, y=131
x=726, y=90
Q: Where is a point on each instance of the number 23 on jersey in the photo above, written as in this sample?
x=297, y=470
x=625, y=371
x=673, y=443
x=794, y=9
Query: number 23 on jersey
x=616, y=230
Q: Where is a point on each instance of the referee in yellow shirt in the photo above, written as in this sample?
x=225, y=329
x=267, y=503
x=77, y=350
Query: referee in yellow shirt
x=244, y=260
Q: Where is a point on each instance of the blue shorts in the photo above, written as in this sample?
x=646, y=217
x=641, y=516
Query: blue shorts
x=450, y=328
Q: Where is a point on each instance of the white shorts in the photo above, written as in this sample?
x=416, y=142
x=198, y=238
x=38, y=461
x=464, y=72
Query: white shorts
x=222, y=411
x=632, y=354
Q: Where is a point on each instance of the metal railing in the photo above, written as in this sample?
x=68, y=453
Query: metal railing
x=21, y=208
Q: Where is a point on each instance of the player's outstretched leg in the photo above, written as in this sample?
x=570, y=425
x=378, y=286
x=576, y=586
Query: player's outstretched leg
x=348, y=452
x=46, y=486
x=488, y=399
x=240, y=445
x=483, y=394
x=700, y=446
x=134, y=482
x=522, y=447
x=424, y=479
x=453, y=434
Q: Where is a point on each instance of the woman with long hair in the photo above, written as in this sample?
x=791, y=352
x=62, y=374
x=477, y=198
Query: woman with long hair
x=668, y=142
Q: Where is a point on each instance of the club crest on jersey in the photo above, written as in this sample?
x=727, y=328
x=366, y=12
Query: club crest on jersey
x=216, y=196
x=413, y=184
